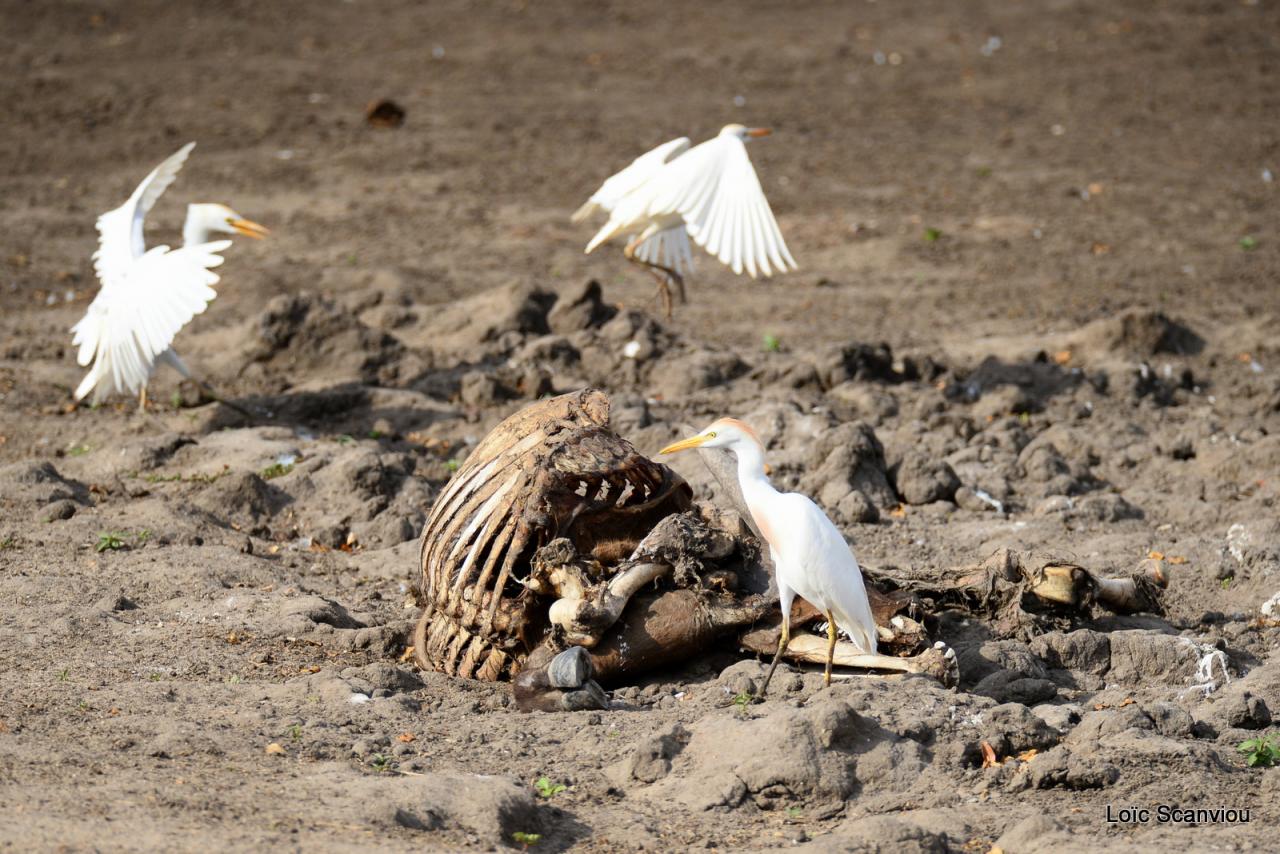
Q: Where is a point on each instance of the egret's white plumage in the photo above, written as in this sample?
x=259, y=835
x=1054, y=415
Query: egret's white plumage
x=668, y=249
x=709, y=192
x=810, y=556
x=148, y=295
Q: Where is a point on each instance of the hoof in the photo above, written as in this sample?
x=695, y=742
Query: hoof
x=940, y=662
x=563, y=684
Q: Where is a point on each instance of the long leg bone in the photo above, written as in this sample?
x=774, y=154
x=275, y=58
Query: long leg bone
x=583, y=621
x=939, y=661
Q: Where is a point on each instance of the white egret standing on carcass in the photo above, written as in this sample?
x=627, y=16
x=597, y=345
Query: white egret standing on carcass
x=810, y=556
x=709, y=192
x=148, y=295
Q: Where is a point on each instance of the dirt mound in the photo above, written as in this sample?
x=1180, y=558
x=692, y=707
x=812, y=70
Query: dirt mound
x=307, y=334
x=1140, y=333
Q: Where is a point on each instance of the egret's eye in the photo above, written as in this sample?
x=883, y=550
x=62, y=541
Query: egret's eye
x=711, y=435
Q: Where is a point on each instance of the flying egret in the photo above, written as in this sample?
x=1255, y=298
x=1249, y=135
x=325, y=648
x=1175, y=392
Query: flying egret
x=709, y=192
x=810, y=556
x=148, y=295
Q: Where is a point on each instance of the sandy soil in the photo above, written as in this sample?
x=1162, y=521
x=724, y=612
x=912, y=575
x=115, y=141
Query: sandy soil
x=1062, y=213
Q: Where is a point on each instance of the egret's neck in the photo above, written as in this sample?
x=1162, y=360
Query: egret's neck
x=755, y=483
x=194, y=231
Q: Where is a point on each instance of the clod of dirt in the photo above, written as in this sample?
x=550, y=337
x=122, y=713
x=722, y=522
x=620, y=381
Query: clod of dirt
x=491, y=808
x=57, y=511
x=1254, y=547
x=1037, y=833
x=306, y=334
x=921, y=479
x=1007, y=686
x=490, y=323
x=821, y=753
x=1064, y=768
x=305, y=613
x=382, y=677
x=857, y=362
x=35, y=484
x=1141, y=333
x=1132, y=658
x=243, y=498
x=384, y=113
x=580, y=308
x=116, y=600
x=651, y=759
x=886, y=833
x=700, y=369
x=847, y=473
x=1239, y=709
x=1011, y=728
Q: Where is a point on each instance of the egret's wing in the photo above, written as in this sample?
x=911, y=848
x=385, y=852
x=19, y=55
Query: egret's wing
x=715, y=190
x=820, y=566
x=127, y=328
x=640, y=170
x=669, y=248
x=120, y=238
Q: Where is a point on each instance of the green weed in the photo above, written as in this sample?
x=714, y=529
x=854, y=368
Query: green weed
x=548, y=789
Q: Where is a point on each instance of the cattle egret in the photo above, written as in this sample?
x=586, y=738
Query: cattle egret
x=810, y=556
x=709, y=192
x=148, y=295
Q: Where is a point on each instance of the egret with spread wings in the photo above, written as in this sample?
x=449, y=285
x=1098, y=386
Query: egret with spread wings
x=709, y=193
x=149, y=295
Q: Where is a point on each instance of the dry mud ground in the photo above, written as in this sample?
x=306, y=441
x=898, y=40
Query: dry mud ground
x=1094, y=347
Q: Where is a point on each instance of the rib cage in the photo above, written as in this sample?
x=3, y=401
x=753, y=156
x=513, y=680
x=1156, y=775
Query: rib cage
x=554, y=469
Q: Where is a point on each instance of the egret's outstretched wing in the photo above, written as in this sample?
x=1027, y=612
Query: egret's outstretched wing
x=669, y=248
x=120, y=238
x=640, y=170
x=715, y=190
x=130, y=325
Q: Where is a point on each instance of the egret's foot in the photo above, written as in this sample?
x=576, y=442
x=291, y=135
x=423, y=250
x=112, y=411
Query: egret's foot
x=564, y=684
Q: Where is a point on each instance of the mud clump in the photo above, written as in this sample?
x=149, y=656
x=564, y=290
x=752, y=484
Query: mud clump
x=921, y=479
x=848, y=474
x=1139, y=332
x=819, y=754
x=305, y=333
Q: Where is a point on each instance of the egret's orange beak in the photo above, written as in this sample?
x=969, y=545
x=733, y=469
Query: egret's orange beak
x=249, y=228
x=759, y=132
x=684, y=444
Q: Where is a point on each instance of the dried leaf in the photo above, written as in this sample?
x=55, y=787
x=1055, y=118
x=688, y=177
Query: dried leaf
x=1177, y=560
x=274, y=749
x=407, y=655
x=989, y=756
x=1062, y=357
x=1154, y=555
x=406, y=737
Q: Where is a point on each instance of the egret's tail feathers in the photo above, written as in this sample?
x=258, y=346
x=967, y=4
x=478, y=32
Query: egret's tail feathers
x=583, y=212
x=174, y=361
